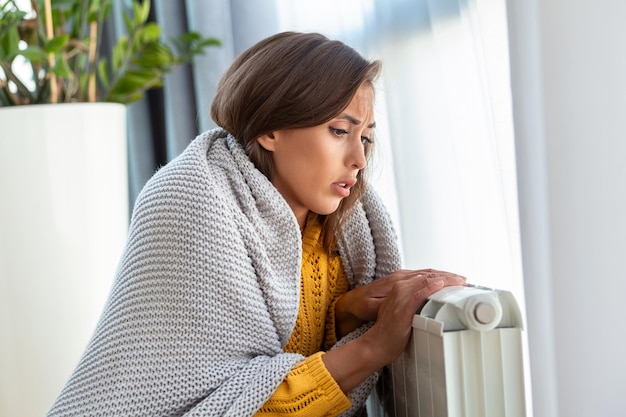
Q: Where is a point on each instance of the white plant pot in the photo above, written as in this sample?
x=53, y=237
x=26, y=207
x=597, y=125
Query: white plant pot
x=63, y=225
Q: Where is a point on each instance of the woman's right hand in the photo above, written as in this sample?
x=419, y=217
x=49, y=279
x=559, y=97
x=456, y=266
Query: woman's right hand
x=393, y=301
x=390, y=334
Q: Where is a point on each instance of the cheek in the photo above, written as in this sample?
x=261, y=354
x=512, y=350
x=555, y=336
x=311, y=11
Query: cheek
x=295, y=169
x=308, y=161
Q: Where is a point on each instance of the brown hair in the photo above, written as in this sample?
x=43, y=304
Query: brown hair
x=288, y=81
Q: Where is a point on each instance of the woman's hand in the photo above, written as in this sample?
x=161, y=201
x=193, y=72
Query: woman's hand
x=362, y=304
x=390, y=334
x=391, y=301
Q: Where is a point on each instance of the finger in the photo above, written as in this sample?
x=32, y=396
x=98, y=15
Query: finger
x=449, y=277
x=421, y=294
x=430, y=287
x=410, y=294
x=454, y=279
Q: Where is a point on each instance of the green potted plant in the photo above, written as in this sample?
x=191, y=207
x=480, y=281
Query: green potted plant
x=61, y=42
x=63, y=177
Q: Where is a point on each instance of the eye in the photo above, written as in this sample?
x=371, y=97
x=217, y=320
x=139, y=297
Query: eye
x=366, y=140
x=338, y=132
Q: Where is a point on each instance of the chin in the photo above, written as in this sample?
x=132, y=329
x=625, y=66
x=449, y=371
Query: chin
x=329, y=209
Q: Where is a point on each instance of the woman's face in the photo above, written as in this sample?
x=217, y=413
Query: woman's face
x=315, y=167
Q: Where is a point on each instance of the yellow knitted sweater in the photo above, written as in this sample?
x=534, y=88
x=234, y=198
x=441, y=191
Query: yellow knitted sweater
x=309, y=389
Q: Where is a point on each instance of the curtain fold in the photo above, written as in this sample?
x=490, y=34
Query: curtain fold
x=163, y=123
x=178, y=102
x=570, y=95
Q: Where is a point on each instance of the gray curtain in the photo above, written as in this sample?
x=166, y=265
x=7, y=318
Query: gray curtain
x=162, y=124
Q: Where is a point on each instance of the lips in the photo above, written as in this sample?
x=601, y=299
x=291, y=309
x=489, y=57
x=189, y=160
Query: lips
x=343, y=186
x=347, y=183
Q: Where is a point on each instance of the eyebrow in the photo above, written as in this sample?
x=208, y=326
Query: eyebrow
x=354, y=121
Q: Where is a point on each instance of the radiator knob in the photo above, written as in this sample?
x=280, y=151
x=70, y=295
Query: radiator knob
x=485, y=313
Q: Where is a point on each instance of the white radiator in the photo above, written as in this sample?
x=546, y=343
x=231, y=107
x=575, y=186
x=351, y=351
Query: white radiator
x=464, y=358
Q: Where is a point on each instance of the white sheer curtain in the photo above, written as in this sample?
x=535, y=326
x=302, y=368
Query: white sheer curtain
x=446, y=165
x=569, y=88
x=446, y=162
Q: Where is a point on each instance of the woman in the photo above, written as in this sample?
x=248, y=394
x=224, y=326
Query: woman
x=261, y=273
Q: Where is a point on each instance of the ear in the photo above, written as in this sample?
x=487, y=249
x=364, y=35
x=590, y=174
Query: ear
x=267, y=141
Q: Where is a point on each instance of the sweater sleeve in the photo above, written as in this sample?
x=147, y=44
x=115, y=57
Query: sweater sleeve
x=307, y=391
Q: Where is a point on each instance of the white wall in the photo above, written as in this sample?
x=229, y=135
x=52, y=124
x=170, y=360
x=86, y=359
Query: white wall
x=568, y=64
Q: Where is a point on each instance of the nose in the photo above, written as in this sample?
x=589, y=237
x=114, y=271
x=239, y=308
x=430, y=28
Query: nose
x=357, y=158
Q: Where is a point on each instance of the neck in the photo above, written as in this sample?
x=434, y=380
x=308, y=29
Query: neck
x=302, y=219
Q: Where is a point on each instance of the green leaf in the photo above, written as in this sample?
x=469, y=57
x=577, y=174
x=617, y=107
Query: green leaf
x=105, y=9
x=210, y=42
x=130, y=28
x=56, y=44
x=98, y=10
x=192, y=43
x=132, y=80
x=149, y=33
x=154, y=55
x=190, y=37
x=136, y=14
x=93, y=12
x=132, y=86
x=119, y=51
x=32, y=53
x=61, y=69
x=145, y=10
x=9, y=34
x=10, y=20
x=103, y=73
x=141, y=11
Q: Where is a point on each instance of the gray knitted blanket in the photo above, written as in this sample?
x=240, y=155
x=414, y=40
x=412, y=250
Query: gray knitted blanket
x=207, y=292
